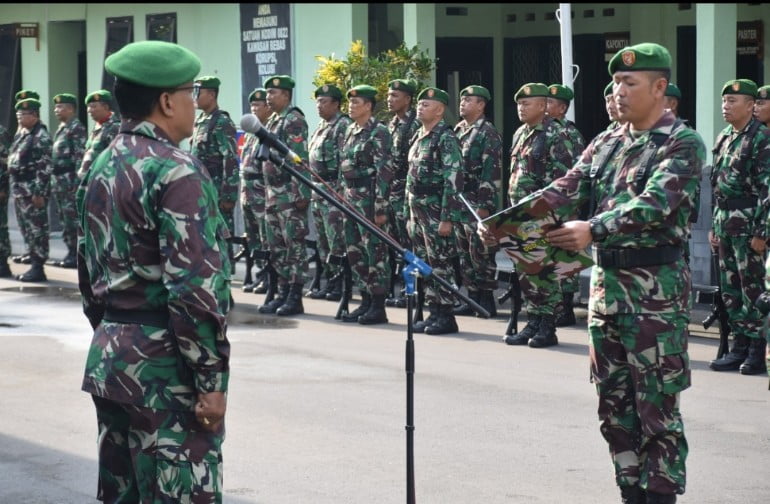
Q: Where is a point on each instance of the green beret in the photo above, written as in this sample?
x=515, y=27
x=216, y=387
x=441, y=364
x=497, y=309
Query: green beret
x=432, y=93
x=364, y=91
x=408, y=86
x=28, y=104
x=154, y=64
x=280, y=82
x=639, y=57
x=26, y=93
x=673, y=91
x=740, y=86
x=531, y=90
x=259, y=94
x=208, y=82
x=102, y=95
x=329, y=90
x=763, y=93
x=608, y=89
x=65, y=98
x=475, y=90
x=560, y=92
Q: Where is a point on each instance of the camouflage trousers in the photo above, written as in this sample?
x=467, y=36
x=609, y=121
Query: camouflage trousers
x=570, y=285
x=741, y=272
x=477, y=260
x=33, y=224
x=330, y=226
x=286, y=231
x=541, y=293
x=367, y=254
x=639, y=364
x=437, y=251
x=63, y=188
x=397, y=222
x=253, y=206
x=5, y=239
x=153, y=456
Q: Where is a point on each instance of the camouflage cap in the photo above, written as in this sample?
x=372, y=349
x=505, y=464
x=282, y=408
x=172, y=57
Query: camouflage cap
x=101, y=95
x=406, y=85
x=560, y=92
x=432, y=93
x=673, y=91
x=763, y=93
x=740, y=86
x=280, y=82
x=640, y=57
x=608, y=89
x=531, y=90
x=28, y=104
x=259, y=94
x=154, y=64
x=26, y=93
x=363, y=91
x=329, y=90
x=65, y=98
x=208, y=82
x=474, y=90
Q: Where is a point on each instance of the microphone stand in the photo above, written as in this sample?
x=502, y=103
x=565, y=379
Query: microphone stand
x=414, y=266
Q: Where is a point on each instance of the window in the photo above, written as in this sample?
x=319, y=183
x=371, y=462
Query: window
x=162, y=27
x=120, y=32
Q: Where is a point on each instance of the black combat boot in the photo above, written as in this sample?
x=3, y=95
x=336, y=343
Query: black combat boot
x=366, y=301
x=263, y=257
x=278, y=301
x=21, y=259
x=335, y=289
x=5, y=271
x=487, y=301
x=523, y=336
x=755, y=361
x=566, y=316
x=35, y=273
x=656, y=498
x=464, y=308
x=732, y=360
x=632, y=495
x=419, y=326
x=376, y=312
x=70, y=261
x=546, y=333
x=322, y=292
x=445, y=322
x=293, y=304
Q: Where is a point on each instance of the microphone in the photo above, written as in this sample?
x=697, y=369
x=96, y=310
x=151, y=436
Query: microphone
x=250, y=124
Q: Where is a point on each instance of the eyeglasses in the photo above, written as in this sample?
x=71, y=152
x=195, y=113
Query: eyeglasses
x=195, y=90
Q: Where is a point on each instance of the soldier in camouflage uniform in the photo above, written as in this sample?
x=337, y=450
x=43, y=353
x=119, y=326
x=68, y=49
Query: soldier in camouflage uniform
x=740, y=178
x=481, y=148
x=541, y=151
x=402, y=128
x=762, y=105
x=286, y=200
x=433, y=184
x=673, y=95
x=325, y=153
x=611, y=108
x=154, y=277
x=68, y=147
x=366, y=174
x=29, y=166
x=213, y=142
x=638, y=181
x=5, y=240
x=107, y=125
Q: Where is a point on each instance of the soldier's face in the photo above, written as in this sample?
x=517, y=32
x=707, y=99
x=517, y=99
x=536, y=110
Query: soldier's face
x=471, y=106
x=26, y=119
x=63, y=111
x=556, y=108
x=205, y=98
x=327, y=107
x=636, y=95
x=612, y=109
x=179, y=106
x=762, y=110
x=429, y=111
x=737, y=109
x=359, y=108
x=531, y=110
x=98, y=111
x=260, y=109
x=277, y=99
x=398, y=101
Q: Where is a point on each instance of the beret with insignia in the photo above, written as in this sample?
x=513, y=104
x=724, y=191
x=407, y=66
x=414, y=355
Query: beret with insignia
x=154, y=64
x=608, y=89
x=363, y=91
x=560, y=92
x=406, y=85
x=640, y=57
x=763, y=93
x=259, y=94
x=28, y=104
x=329, y=90
x=673, y=91
x=65, y=98
x=474, y=90
x=26, y=93
x=101, y=95
x=740, y=86
x=208, y=82
x=531, y=90
x=432, y=93
x=280, y=82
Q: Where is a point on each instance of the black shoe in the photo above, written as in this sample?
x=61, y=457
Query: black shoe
x=656, y=498
x=262, y=287
x=5, y=270
x=419, y=326
x=320, y=293
x=523, y=336
x=335, y=289
x=376, y=312
x=546, y=333
x=248, y=287
x=34, y=274
x=755, y=361
x=70, y=261
x=21, y=259
x=276, y=302
x=487, y=301
x=566, y=316
x=293, y=304
x=464, y=309
x=632, y=495
x=732, y=360
x=445, y=322
x=366, y=301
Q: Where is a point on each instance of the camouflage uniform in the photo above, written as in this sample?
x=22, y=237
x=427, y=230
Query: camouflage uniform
x=366, y=174
x=639, y=314
x=325, y=152
x=156, y=289
x=5, y=241
x=100, y=138
x=401, y=132
x=213, y=142
x=68, y=149
x=253, y=193
x=29, y=166
x=433, y=183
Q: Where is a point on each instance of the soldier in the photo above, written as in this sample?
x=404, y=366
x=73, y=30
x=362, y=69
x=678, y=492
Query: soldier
x=366, y=175
x=25, y=94
x=433, y=183
x=68, y=147
x=611, y=108
x=673, y=95
x=154, y=277
x=481, y=148
x=325, y=153
x=286, y=200
x=740, y=178
x=5, y=240
x=762, y=105
x=107, y=125
x=540, y=153
x=402, y=128
x=29, y=166
x=638, y=181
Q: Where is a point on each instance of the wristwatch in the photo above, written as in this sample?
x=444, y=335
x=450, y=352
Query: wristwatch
x=598, y=229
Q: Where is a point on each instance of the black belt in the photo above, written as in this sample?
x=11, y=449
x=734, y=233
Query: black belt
x=358, y=182
x=61, y=170
x=736, y=203
x=426, y=189
x=154, y=318
x=253, y=176
x=624, y=258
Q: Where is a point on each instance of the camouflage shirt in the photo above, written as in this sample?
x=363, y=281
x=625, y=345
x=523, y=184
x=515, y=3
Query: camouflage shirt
x=654, y=215
x=325, y=148
x=29, y=162
x=69, y=143
x=5, y=144
x=730, y=181
x=151, y=238
x=290, y=127
x=366, y=163
x=441, y=170
x=100, y=138
x=401, y=133
x=213, y=143
x=539, y=155
x=482, y=151
x=576, y=141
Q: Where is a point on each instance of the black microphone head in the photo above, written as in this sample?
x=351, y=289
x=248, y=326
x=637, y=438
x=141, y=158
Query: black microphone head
x=250, y=123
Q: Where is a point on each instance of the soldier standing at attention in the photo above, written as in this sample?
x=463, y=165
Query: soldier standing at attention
x=69, y=143
x=5, y=239
x=481, y=148
x=107, y=125
x=611, y=108
x=158, y=365
x=325, y=153
x=762, y=105
x=434, y=181
x=286, y=200
x=26, y=94
x=673, y=95
x=540, y=153
x=740, y=178
x=29, y=166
